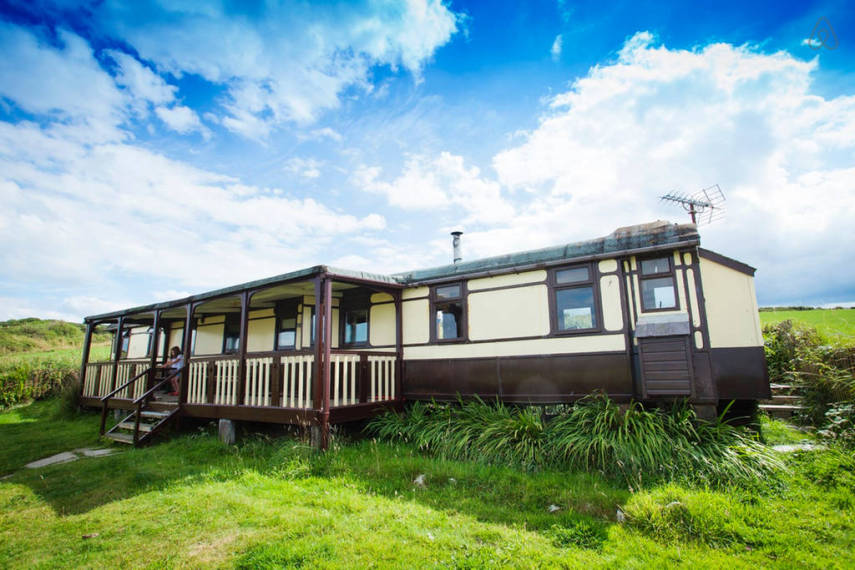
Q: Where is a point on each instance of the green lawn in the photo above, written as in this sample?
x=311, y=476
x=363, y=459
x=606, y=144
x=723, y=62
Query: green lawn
x=272, y=502
x=836, y=325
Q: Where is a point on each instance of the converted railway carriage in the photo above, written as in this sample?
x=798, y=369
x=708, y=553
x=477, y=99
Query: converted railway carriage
x=644, y=313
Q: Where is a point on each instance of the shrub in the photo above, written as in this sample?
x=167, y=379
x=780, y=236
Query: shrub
x=635, y=445
x=840, y=425
x=22, y=381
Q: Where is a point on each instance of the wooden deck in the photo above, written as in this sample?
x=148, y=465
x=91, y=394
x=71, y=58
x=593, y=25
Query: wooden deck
x=275, y=387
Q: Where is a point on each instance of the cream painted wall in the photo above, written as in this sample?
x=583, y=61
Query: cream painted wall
x=415, y=292
x=209, y=339
x=508, y=313
x=416, y=321
x=731, y=305
x=563, y=345
x=611, y=301
x=506, y=280
x=381, y=298
x=261, y=333
x=693, y=297
x=176, y=338
x=608, y=266
x=307, y=325
x=381, y=325
x=335, y=329
x=138, y=342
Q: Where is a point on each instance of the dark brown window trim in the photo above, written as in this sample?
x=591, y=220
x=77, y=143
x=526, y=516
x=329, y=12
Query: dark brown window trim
x=553, y=287
x=672, y=273
x=357, y=300
x=464, y=315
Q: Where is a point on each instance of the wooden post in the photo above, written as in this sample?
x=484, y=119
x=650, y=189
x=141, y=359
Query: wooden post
x=152, y=363
x=399, y=345
x=242, y=341
x=186, y=346
x=317, y=401
x=118, y=354
x=325, y=384
x=87, y=344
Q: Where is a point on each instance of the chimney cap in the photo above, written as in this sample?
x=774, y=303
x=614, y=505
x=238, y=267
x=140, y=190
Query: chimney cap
x=457, y=233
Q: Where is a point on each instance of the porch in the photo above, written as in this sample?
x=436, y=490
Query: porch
x=324, y=366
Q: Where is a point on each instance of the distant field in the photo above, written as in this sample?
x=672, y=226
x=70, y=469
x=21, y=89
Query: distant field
x=837, y=325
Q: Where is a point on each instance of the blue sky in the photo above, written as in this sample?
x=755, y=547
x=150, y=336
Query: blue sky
x=150, y=150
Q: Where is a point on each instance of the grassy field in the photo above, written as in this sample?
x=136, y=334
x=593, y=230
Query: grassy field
x=272, y=503
x=836, y=325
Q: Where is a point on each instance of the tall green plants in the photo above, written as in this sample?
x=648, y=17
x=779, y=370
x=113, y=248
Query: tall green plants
x=629, y=443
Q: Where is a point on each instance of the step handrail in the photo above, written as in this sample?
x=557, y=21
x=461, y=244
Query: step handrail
x=106, y=399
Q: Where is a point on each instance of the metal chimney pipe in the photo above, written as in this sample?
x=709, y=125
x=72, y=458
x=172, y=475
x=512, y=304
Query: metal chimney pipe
x=455, y=241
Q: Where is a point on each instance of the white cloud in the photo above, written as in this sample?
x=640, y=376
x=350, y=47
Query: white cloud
x=440, y=183
x=285, y=62
x=141, y=81
x=304, y=167
x=555, y=50
x=182, y=120
x=63, y=82
x=658, y=119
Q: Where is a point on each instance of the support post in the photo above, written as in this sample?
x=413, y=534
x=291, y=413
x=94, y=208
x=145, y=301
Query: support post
x=242, y=341
x=87, y=344
x=399, y=345
x=118, y=353
x=186, y=346
x=325, y=383
x=155, y=341
x=317, y=402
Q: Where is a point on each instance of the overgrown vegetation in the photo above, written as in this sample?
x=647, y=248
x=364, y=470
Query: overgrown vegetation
x=31, y=335
x=837, y=326
x=632, y=444
x=271, y=502
x=40, y=359
x=820, y=373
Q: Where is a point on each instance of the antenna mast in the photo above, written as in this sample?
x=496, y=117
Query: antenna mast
x=704, y=206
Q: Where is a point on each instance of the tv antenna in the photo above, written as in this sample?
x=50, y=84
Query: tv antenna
x=704, y=206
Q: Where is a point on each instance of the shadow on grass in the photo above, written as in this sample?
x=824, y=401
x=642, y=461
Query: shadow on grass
x=486, y=493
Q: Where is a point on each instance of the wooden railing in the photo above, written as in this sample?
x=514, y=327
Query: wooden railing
x=286, y=379
x=98, y=379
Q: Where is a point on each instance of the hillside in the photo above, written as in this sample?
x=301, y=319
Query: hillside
x=37, y=335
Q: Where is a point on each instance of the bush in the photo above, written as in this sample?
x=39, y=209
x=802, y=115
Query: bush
x=840, y=425
x=34, y=380
x=799, y=356
x=635, y=445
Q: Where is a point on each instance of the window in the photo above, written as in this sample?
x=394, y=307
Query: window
x=286, y=325
x=658, y=288
x=231, y=334
x=575, y=305
x=448, y=308
x=354, y=308
x=126, y=341
x=150, y=341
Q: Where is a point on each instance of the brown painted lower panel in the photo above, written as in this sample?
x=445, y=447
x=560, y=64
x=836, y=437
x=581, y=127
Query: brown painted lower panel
x=553, y=378
x=252, y=414
x=363, y=411
x=740, y=373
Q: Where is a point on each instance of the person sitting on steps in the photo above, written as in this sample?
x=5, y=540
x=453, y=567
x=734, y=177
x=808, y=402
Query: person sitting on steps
x=173, y=367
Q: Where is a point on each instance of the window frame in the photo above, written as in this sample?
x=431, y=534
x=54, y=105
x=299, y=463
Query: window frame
x=229, y=319
x=554, y=286
x=464, y=313
x=288, y=309
x=352, y=301
x=672, y=273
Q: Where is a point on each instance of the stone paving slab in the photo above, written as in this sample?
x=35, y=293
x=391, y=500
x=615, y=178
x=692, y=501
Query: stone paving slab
x=67, y=456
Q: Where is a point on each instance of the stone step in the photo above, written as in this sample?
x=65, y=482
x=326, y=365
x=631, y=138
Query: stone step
x=782, y=399
x=780, y=410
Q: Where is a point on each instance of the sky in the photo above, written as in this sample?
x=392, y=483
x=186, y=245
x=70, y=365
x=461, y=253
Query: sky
x=153, y=150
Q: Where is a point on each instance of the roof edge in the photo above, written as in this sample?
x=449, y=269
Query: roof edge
x=727, y=261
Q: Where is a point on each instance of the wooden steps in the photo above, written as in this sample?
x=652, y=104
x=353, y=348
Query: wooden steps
x=784, y=402
x=153, y=416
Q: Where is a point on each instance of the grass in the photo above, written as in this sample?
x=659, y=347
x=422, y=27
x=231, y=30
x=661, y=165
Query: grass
x=33, y=335
x=272, y=502
x=836, y=325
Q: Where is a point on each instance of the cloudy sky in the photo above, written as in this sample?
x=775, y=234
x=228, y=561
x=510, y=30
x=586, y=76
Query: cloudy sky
x=150, y=150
